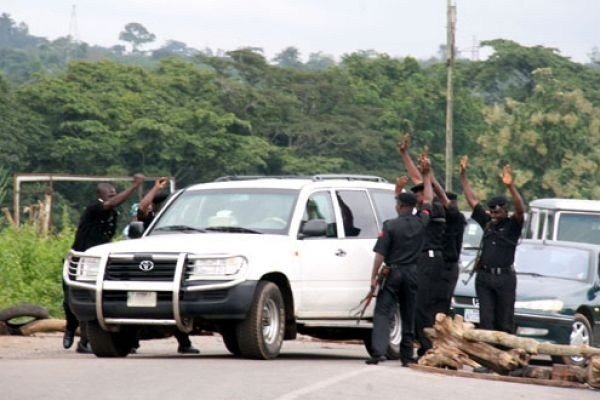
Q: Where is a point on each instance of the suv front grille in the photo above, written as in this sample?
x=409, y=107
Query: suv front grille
x=129, y=270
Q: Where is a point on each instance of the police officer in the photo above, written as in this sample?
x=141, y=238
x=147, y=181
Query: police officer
x=432, y=289
x=399, y=245
x=496, y=280
x=453, y=238
x=146, y=211
x=96, y=226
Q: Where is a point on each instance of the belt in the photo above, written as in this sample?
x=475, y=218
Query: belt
x=497, y=270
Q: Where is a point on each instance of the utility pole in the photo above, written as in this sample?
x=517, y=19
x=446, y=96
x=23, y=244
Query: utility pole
x=450, y=93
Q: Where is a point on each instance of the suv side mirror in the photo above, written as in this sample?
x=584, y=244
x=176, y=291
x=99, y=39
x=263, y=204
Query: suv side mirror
x=136, y=229
x=314, y=228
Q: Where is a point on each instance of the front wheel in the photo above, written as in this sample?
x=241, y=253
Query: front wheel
x=260, y=335
x=109, y=344
x=581, y=334
x=393, y=350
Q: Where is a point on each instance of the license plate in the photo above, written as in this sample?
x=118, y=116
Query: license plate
x=141, y=299
x=472, y=315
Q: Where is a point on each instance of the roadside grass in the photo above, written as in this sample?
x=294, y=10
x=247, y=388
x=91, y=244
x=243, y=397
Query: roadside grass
x=31, y=267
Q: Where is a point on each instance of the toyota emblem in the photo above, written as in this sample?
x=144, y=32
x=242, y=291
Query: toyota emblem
x=146, y=266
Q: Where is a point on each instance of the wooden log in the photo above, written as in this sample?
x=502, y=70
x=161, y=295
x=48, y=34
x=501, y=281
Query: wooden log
x=451, y=332
x=569, y=373
x=43, y=325
x=532, y=346
x=593, y=376
x=502, y=339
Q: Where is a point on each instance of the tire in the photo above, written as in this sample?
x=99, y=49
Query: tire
x=581, y=333
x=109, y=344
x=393, y=350
x=24, y=310
x=260, y=335
x=230, y=341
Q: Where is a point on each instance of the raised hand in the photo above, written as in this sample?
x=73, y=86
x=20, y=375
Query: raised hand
x=161, y=182
x=464, y=162
x=424, y=163
x=400, y=184
x=507, y=175
x=403, y=145
x=138, y=179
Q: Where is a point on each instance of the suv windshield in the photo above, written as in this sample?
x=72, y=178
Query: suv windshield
x=229, y=210
x=555, y=262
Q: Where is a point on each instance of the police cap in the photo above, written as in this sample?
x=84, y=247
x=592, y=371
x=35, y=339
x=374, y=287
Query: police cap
x=407, y=199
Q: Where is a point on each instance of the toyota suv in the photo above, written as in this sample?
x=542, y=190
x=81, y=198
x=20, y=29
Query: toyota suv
x=256, y=259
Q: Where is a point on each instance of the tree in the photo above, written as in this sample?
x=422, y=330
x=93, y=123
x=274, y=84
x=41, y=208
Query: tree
x=288, y=58
x=137, y=35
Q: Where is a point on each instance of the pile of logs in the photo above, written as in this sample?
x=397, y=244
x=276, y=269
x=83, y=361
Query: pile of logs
x=457, y=345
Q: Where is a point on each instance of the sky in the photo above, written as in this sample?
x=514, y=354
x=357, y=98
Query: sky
x=397, y=27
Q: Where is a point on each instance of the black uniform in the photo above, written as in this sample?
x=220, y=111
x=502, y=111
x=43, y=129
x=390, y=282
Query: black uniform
x=400, y=242
x=496, y=281
x=455, y=227
x=431, y=292
x=96, y=226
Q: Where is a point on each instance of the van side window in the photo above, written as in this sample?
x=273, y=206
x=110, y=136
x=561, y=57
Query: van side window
x=357, y=214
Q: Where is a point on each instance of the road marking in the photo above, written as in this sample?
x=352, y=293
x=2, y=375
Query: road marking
x=324, y=383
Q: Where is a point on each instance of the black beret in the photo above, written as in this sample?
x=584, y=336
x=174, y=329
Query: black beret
x=407, y=199
x=419, y=187
x=498, y=201
x=451, y=195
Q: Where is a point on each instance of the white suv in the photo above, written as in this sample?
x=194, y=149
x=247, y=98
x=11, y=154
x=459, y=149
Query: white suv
x=257, y=259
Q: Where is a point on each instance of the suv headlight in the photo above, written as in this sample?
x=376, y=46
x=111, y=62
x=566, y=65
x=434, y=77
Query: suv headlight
x=87, y=268
x=215, y=267
x=542, y=305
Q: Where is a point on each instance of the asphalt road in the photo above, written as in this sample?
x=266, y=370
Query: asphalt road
x=38, y=368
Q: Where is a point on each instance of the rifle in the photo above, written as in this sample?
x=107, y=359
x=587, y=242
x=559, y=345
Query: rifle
x=476, y=262
x=359, y=310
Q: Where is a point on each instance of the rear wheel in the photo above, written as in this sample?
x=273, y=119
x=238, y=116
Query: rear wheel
x=581, y=334
x=109, y=344
x=260, y=335
x=393, y=350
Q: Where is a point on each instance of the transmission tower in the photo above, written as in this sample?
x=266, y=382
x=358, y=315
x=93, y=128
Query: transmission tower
x=73, y=32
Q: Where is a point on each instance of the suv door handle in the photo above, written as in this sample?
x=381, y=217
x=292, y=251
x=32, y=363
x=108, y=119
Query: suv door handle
x=340, y=253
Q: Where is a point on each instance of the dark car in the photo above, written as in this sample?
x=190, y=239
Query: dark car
x=558, y=293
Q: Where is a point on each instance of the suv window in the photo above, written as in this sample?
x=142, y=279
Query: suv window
x=357, y=214
x=385, y=204
x=320, y=206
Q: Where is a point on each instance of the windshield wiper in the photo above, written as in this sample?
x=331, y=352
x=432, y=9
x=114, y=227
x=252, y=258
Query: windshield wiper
x=179, y=228
x=236, y=229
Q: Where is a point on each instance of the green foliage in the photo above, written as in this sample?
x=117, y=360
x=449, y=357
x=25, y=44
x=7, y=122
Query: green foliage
x=31, y=268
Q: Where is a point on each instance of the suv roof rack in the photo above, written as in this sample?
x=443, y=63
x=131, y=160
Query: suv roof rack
x=349, y=177
x=251, y=177
x=319, y=177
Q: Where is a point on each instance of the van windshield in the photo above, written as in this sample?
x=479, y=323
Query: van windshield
x=229, y=211
x=578, y=227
